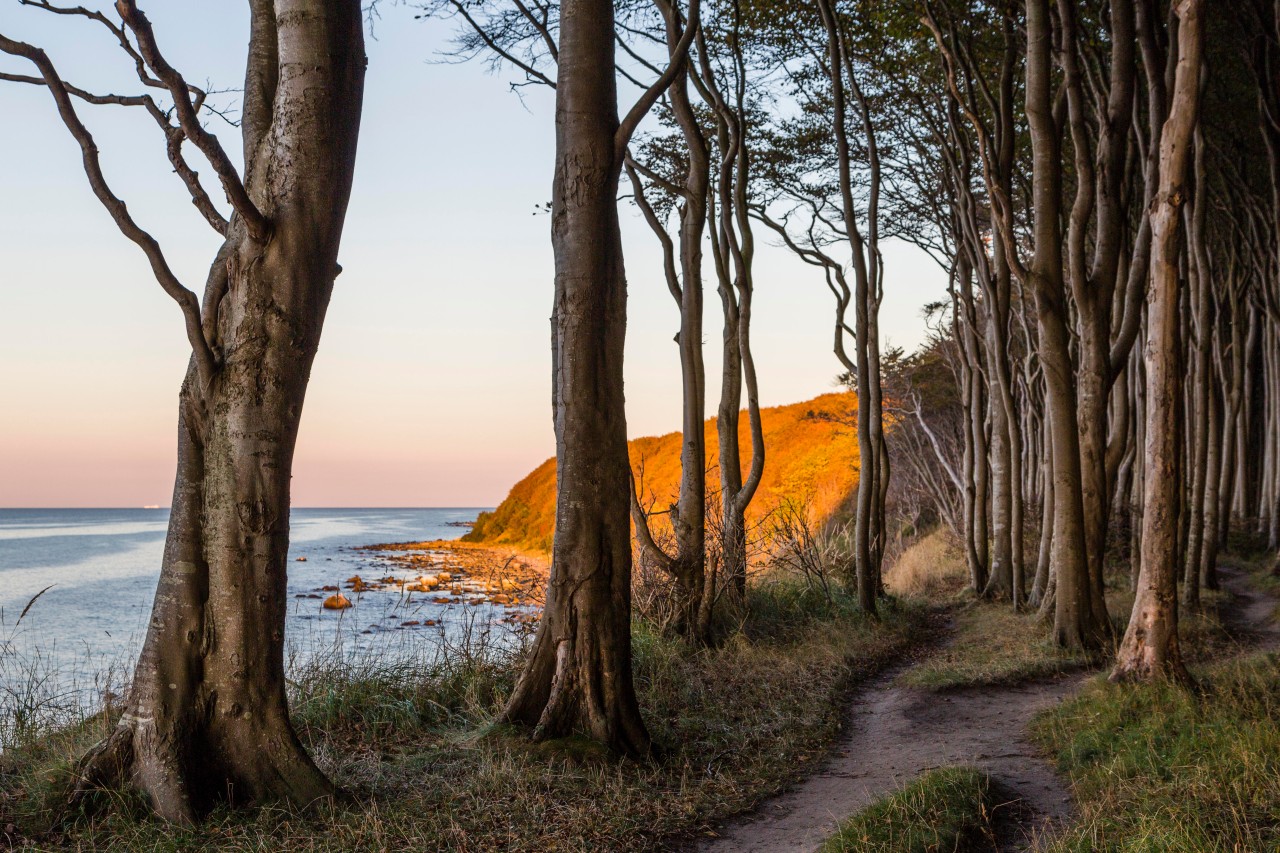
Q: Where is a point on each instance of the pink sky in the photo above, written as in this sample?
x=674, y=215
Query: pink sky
x=432, y=383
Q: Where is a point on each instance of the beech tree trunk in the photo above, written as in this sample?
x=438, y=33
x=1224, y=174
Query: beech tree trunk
x=1075, y=623
x=1150, y=647
x=207, y=715
x=578, y=677
x=733, y=251
x=872, y=464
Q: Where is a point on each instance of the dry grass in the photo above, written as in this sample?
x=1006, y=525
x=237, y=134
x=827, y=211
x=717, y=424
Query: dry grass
x=931, y=568
x=413, y=747
x=996, y=645
x=993, y=645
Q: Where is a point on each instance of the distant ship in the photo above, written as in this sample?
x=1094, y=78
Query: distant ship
x=152, y=506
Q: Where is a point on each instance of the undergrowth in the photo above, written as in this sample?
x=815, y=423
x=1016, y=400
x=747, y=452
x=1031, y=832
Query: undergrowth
x=993, y=645
x=413, y=746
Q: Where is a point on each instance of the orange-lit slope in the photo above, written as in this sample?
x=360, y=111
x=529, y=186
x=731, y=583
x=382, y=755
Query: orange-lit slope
x=808, y=459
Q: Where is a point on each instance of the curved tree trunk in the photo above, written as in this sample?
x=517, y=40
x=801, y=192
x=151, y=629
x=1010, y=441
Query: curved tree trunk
x=1075, y=625
x=207, y=715
x=733, y=250
x=688, y=566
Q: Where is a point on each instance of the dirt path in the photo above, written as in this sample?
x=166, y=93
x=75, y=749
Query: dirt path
x=896, y=733
x=1252, y=614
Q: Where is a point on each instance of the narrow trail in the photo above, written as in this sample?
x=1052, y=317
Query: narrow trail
x=1252, y=614
x=895, y=733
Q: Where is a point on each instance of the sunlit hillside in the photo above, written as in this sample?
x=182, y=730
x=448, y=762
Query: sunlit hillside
x=811, y=457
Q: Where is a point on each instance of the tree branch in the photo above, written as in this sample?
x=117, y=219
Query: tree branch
x=679, y=56
x=206, y=364
x=256, y=223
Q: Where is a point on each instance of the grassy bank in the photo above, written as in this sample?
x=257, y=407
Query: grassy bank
x=421, y=766
x=1158, y=768
x=993, y=645
x=949, y=809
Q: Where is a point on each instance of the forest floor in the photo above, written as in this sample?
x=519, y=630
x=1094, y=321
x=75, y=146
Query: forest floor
x=912, y=721
x=421, y=764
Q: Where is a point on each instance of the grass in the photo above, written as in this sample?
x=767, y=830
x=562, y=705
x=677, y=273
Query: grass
x=993, y=645
x=932, y=568
x=950, y=809
x=1158, y=768
x=421, y=765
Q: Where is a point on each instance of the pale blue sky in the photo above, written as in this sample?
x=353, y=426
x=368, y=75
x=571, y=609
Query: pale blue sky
x=432, y=386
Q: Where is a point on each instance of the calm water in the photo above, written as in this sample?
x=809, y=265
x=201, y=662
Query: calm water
x=103, y=565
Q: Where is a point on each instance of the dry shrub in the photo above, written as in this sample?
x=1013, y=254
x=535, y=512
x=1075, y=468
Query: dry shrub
x=932, y=567
x=815, y=554
x=655, y=595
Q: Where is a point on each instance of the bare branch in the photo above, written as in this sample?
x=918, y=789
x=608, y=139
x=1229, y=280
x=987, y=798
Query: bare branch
x=77, y=92
x=115, y=29
x=258, y=226
x=173, y=135
x=679, y=56
x=492, y=44
x=187, y=301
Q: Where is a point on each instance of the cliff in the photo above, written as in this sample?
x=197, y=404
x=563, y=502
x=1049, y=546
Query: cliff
x=811, y=456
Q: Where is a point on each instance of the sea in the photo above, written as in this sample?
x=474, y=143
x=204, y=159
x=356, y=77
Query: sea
x=86, y=577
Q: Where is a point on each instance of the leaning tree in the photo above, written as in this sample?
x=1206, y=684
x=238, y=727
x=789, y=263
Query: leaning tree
x=206, y=716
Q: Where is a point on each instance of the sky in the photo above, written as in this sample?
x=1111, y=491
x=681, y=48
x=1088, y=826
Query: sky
x=432, y=384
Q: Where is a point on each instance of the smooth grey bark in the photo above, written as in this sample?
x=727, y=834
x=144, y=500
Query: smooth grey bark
x=688, y=565
x=733, y=251
x=1075, y=621
x=1200, y=355
x=869, y=511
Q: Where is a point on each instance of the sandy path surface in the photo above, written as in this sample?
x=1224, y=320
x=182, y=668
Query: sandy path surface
x=896, y=733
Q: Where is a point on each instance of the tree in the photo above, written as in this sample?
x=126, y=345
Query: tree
x=694, y=588
x=206, y=716
x=578, y=676
x=1150, y=647
x=824, y=189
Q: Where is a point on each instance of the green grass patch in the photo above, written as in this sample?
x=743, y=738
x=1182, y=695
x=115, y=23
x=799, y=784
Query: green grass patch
x=949, y=810
x=413, y=746
x=1158, y=768
x=993, y=645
